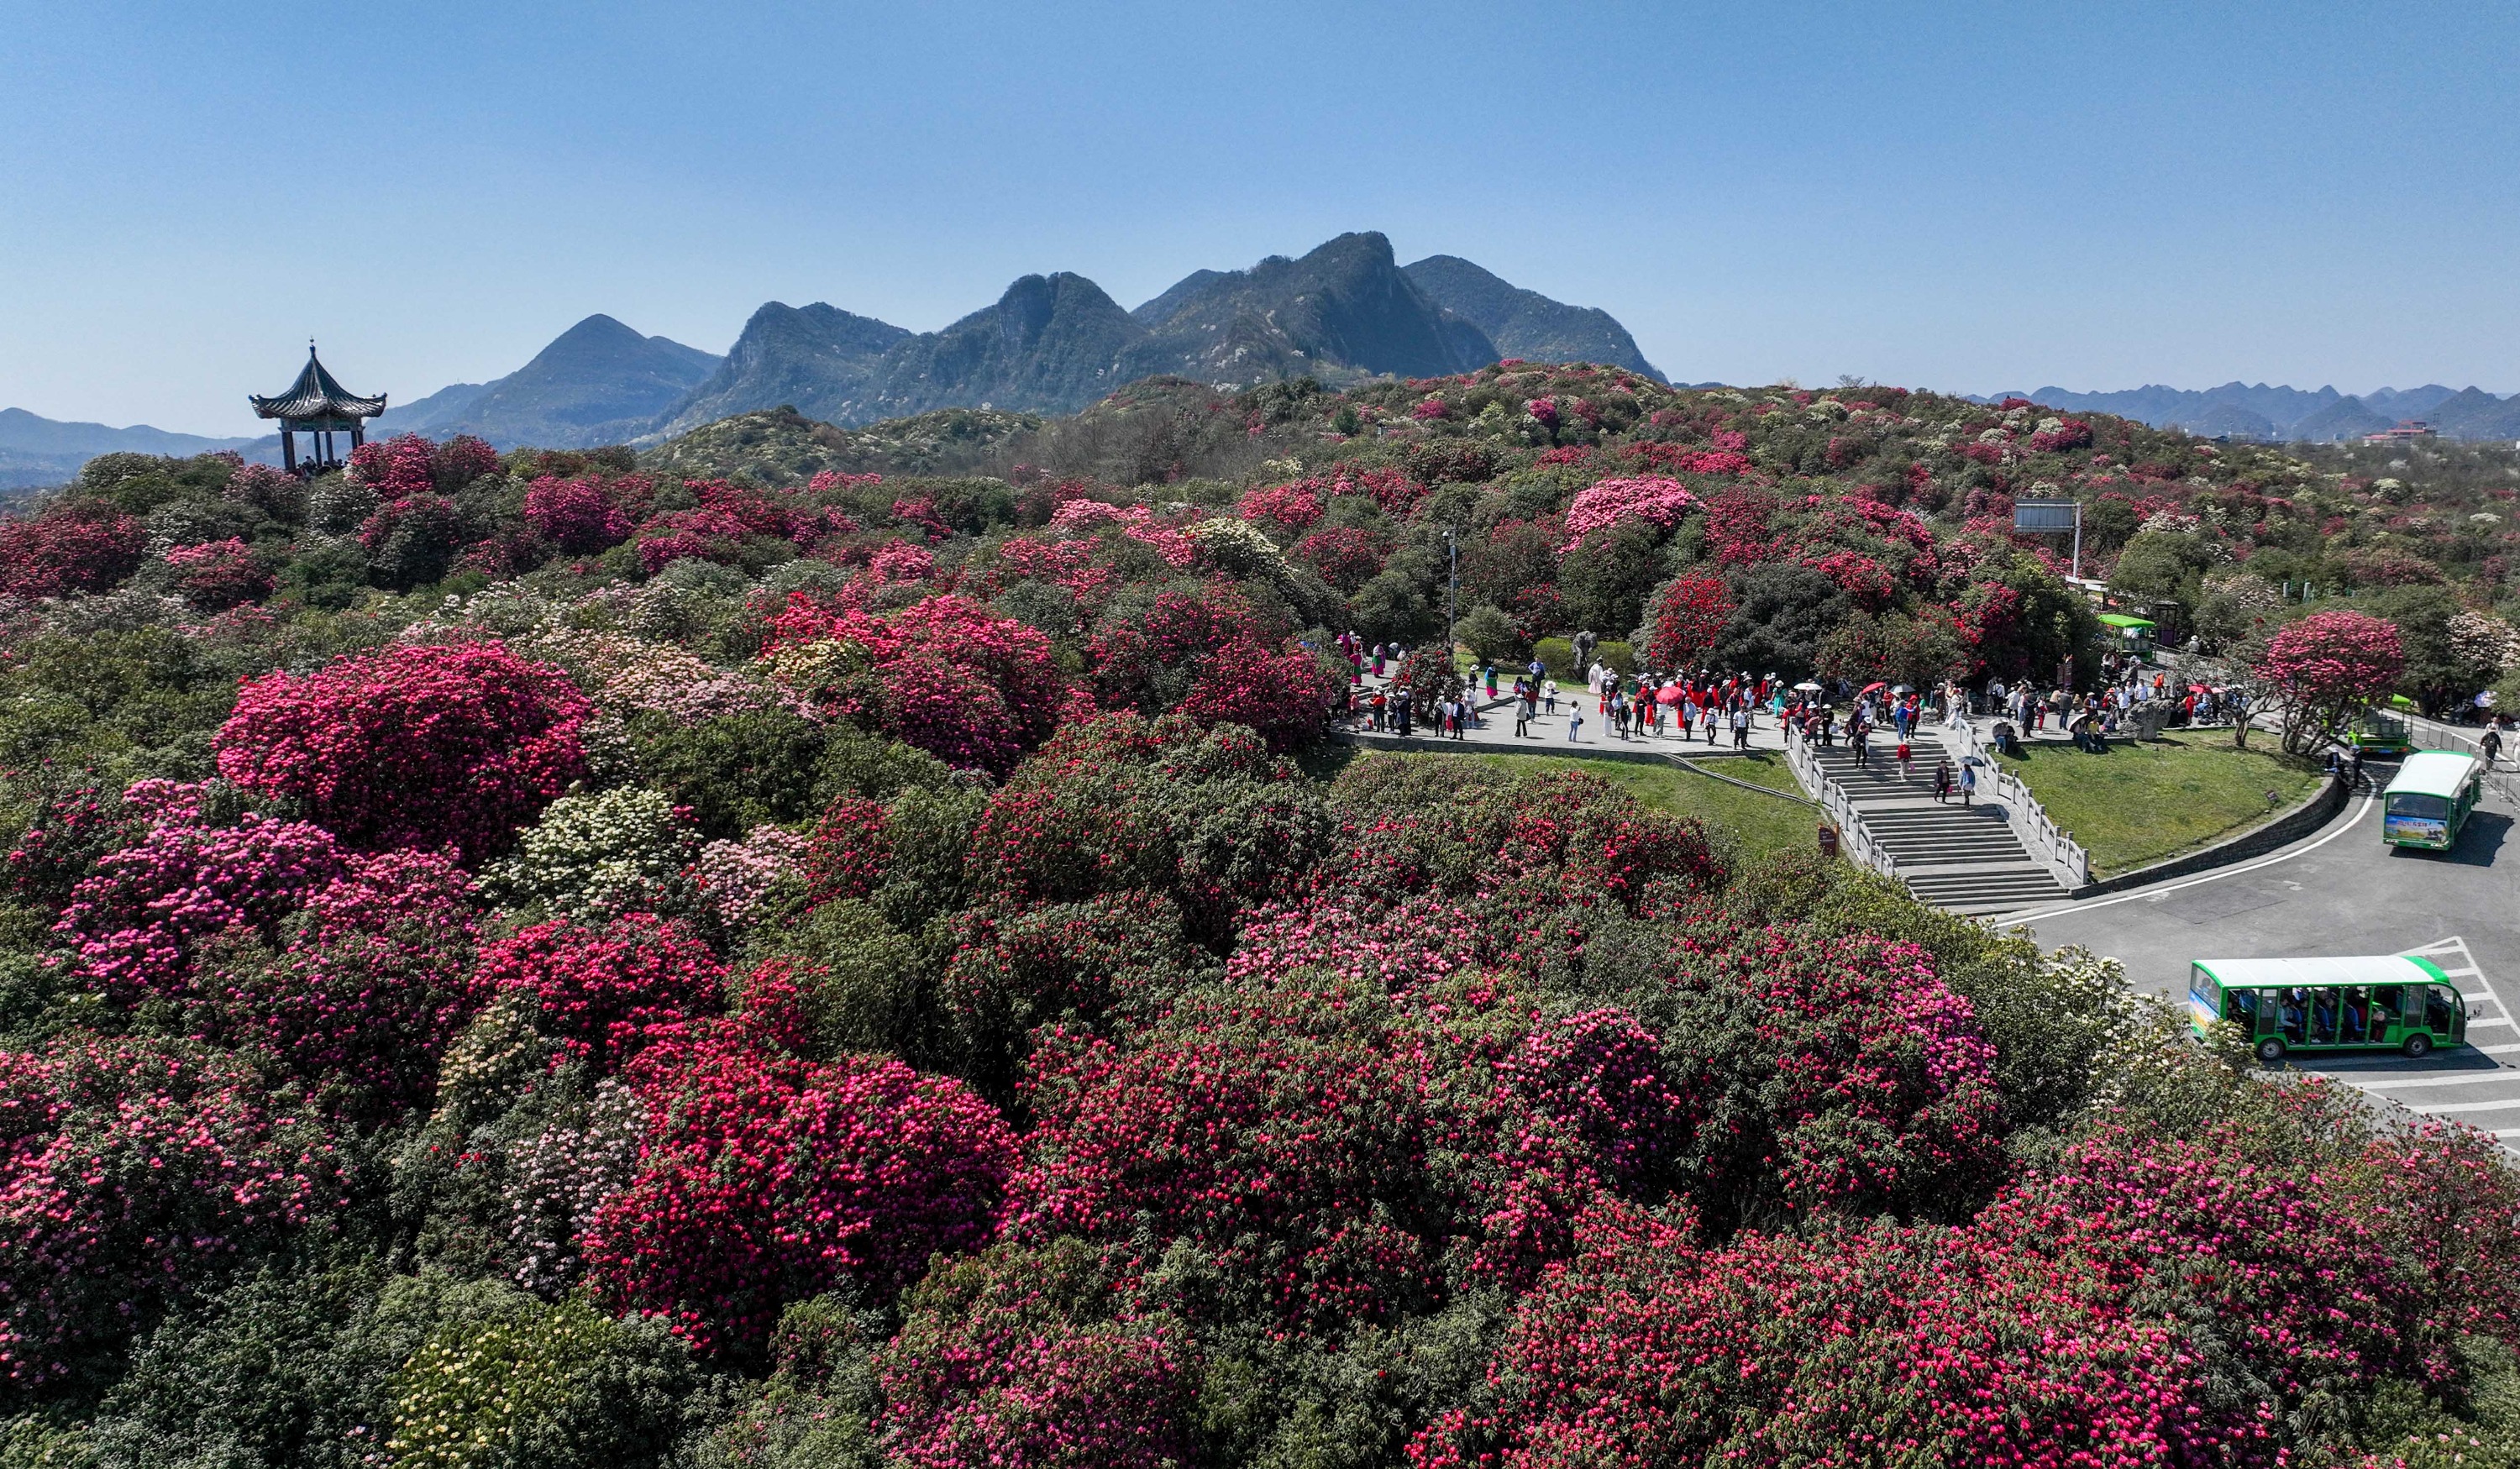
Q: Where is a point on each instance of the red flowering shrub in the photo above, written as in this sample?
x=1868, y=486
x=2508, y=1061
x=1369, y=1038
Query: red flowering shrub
x=2157, y=1301
x=217, y=575
x=1347, y=556
x=703, y=534
x=1834, y=1074
x=764, y=1181
x=135, y=923
x=605, y=993
x=950, y=676
x=1285, y=508
x=1685, y=618
x=395, y=467
x=376, y=979
x=129, y=1171
x=414, y=745
x=2069, y=433
x=2326, y=669
x=846, y=854
x=69, y=547
x=580, y=516
x=1281, y=696
x=1121, y=802
x=1032, y=1356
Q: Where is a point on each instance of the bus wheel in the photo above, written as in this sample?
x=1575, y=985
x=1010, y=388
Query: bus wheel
x=2271, y=1050
x=2417, y=1047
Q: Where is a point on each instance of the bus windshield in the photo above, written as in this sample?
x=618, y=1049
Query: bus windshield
x=2419, y=803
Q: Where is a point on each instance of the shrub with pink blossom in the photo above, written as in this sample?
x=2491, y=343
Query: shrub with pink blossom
x=414, y=746
x=1659, y=503
x=1036, y=1357
x=2327, y=668
x=949, y=675
x=70, y=546
x=741, y=879
x=582, y=516
x=131, y=1173
x=1286, y=508
x=764, y=1181
x=394, y=468
x=217, y=575
x=136, y=924
x=376, y=979
x=603, y=992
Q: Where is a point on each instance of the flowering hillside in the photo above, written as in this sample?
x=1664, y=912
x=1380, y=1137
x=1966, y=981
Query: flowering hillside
x=562, y=960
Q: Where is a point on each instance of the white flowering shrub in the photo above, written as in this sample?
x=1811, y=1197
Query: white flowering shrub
x=593, y=855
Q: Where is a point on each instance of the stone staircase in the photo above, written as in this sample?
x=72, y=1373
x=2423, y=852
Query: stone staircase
x=1966, y=859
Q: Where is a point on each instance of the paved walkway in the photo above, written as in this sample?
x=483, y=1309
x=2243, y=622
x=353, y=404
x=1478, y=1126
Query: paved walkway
x=1494, y=726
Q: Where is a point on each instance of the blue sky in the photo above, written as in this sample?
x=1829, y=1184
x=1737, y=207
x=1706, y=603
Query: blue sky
x=1960, y=197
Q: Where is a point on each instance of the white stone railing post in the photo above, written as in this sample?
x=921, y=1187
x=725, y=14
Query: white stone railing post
x=1857, y=840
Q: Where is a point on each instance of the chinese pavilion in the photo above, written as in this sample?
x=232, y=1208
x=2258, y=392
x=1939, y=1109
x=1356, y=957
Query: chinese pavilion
x=316, y=406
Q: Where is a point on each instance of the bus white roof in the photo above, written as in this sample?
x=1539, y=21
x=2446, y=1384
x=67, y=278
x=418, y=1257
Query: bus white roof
x=2438, y=773
x=2279, y=973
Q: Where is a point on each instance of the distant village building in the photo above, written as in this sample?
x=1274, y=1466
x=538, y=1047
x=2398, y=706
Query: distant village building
x=318, y=407
x=2407, y=428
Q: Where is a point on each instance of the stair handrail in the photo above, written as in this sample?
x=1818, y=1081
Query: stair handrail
x=1859, y=841
x=2050, y=845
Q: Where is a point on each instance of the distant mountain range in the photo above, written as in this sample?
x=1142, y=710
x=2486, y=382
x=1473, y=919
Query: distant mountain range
x=2289, y=415
x=38, y=450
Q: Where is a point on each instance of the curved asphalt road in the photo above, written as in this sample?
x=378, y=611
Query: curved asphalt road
x=2342, y=892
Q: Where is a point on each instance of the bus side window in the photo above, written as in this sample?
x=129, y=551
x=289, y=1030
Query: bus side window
x=2323, y=1016
x=2292, y=1016
x=2386, y=1010
x=2270, y=1011
x=2242, y=1009
x=2437, y=1008
x=2357, y=1003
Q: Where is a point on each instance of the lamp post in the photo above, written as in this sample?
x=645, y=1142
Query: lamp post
x=1451, y=595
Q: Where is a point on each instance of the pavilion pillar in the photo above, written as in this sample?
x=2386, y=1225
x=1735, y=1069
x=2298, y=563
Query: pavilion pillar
x=289, y=451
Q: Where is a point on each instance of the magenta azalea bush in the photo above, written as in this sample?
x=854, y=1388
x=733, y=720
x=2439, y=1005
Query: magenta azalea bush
x=414, y=747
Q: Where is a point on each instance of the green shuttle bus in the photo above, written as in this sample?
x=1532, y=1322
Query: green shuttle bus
x=2430, y=799
x=2323, y=1005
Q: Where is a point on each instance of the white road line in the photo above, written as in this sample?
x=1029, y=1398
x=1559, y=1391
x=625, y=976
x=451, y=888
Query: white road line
x=2486, y=1106
x=2466, y=1078
x=2497, y=1050
x=2179, y=887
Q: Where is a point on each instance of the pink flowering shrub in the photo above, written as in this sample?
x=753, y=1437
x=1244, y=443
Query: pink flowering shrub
x=1397, y=949
x=375, y=980
x=1601, y=1074
x=949, y=675
x=606, y=992
x=217, y=575
x=130, y=1172
x=136, y=923
x=69, y=547
x=1659, y=503
x=580, y=516
x=1836, y=1075
x=1347, y=556
x=402, y=466
x=738, y=879
x=2327, y=668
x=1035, y=1357
x=703, y=534
x=414, y=746
x=1286, y=508
x=764, y=1181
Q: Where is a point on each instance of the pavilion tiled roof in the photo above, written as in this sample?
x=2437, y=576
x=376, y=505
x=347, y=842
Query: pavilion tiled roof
x=315, y=395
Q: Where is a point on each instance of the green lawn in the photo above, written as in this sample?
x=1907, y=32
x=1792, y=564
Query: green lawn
x=2145, y=802
x=1760, y=824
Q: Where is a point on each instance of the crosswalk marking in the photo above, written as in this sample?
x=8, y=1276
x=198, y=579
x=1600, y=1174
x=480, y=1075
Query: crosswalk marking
x=2509, y=1104
x=2468, y=1079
